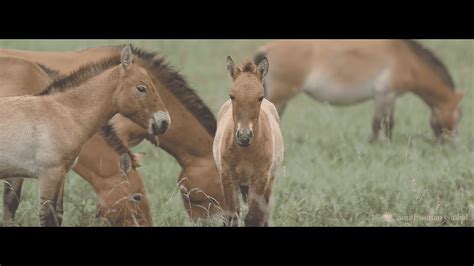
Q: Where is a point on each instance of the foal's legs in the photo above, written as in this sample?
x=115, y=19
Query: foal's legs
x=50, y=189
x=232, y=204
x=383, y=114
x=268, y=193
x=258, y=204
x=11, y=197
x=59, y=202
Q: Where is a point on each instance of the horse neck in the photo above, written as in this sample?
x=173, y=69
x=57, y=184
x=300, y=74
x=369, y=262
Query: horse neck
x=434, y=94
x=92, y=103
x=187, y=140
x=99, y=167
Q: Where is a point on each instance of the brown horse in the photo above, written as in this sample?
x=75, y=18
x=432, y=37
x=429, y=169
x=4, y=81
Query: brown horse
x=344, y=72
x=188, y=140
x=20, y=76
x=42, y=134
x=248, y=147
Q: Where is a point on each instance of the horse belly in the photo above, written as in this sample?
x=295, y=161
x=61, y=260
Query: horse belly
x=337, y=92
x=16, y=162
x=24, y=152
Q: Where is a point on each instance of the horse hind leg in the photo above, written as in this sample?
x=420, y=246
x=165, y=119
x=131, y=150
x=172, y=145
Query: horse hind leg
x=11, y=197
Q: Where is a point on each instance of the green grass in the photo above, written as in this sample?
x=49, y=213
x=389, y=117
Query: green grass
x=331, y=176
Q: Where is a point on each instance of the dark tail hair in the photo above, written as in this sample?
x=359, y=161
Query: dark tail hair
x=256, y=59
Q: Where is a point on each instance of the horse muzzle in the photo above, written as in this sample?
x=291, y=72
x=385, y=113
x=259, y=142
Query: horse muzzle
x=244, y=137
x=159, y=123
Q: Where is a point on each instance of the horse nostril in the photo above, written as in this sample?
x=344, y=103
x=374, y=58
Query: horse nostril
x=156, y=129
x=244, y=137
x=136, y=197
x=164, y=124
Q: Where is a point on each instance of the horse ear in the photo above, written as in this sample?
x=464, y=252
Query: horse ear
x=125, y=163
x=231, y=68
x=262, y=68
x=126, y=56
x=139, y=157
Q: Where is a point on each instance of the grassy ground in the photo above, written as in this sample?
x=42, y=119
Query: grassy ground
x=331, y=175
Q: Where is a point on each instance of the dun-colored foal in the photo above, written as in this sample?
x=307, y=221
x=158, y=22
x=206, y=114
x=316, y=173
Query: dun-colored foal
x=248, y=147
x=42, y=135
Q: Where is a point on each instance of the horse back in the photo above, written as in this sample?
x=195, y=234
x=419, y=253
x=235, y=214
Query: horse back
x=20, y=76
x=344, y=65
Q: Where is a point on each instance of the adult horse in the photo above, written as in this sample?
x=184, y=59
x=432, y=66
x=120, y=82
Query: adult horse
x=345, y=72
x=42, y=134
x=248, y=147
x=188, y=140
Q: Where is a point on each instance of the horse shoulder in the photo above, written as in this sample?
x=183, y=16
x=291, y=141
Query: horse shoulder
x=270, y=108
x=224, y=108
x=274, y=126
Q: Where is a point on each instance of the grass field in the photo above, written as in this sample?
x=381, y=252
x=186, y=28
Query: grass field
x=331, y=175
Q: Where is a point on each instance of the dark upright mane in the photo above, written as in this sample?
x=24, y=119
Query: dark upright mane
x=52, y=73
x=80, y=75
x=248, y=66
x=432, y=61
x=111, y=137
x=176, y=84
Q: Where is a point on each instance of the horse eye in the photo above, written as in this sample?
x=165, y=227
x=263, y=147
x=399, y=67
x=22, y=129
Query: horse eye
x=231, y=97
x=141, y=88
x=260, y=99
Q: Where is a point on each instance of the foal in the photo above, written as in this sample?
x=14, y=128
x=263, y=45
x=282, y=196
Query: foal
x=42, y=135
x=248, y=147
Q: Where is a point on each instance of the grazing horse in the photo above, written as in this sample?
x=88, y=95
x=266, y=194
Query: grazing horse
x=248, y=147
x=345, y=72
x=188, y=140
x=98, y=165
x=42, y=134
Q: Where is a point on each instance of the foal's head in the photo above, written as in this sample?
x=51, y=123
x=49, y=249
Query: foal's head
x=246, y=95
x=138, y=98
x=445, y=117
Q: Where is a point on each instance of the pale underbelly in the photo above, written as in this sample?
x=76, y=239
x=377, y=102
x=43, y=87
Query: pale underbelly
x=340, y=95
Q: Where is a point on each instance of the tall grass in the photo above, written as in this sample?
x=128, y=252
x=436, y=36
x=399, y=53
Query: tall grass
x=331, y=176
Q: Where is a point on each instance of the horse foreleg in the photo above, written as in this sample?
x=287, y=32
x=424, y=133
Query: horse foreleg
x=258, y=204
x=383, y=115
x=59, y=202
x=49, y=190
x=267, y=195
x=11, y=197
x=388, y=124
x=232, y=206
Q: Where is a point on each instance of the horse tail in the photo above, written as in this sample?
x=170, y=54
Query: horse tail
x=256, y=59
